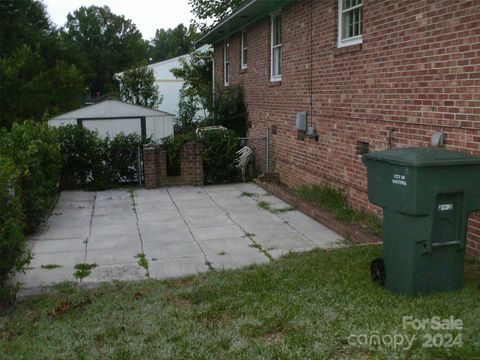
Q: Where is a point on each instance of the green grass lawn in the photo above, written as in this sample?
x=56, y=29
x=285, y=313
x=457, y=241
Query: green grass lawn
x=304, y=306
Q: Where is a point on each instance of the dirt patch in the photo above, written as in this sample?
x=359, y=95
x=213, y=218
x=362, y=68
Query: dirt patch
x=177, y=300
x=274, y=338
x=67, y=306
x=185, y=282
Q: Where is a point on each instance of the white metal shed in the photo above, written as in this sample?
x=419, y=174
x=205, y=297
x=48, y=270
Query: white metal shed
x=110, y=117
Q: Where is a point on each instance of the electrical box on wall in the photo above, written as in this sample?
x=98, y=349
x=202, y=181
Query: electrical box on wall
x=301, y=123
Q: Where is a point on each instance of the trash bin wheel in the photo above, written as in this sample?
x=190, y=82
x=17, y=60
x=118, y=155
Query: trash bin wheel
x=377, y=271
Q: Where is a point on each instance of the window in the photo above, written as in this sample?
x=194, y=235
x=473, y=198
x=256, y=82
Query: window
x=276, y=48
x=350, y=22
x=226, y=63
x=244, y=50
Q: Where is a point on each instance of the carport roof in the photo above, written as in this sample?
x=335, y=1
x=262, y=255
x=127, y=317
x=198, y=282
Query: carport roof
x=250, y=12
x=111, y=109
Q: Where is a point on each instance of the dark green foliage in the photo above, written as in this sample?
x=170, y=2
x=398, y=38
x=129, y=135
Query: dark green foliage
x=171, y=43
x=138, y=87
x=22, y=22
x=219, y=153
x=36, y=68
x=230, y=110
x=196, y=92
x=92, y=162
x=208, y=11
x=123, y=156
x=14, y=255
x=34, y=149
x=172, y=146
x=105, y=43
x=83, y=154
x=335, y=201
x=83, y=270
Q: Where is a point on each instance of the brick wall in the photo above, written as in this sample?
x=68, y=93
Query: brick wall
x=417, y=72
x=155, y=166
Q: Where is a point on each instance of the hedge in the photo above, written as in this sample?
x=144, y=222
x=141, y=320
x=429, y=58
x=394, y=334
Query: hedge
x=33, y=147
x=95, y=163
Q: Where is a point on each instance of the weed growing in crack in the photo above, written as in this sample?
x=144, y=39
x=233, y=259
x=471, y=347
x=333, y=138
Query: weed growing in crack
x=83, y=270
x=257, y=246
x=50, y=266
x=248, y=194
x=143, y=262
x=283, y=210
x=264, y=205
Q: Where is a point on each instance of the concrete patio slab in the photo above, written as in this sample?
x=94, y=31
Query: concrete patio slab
x=33, y=280
x=170, y=251
x=238, y=260
x=121, y=272
x=64, y=259
x=60, y=245
x=177, y=268
x=120, y=255
x=180, y=231
x=203, y=233
x=229, y=246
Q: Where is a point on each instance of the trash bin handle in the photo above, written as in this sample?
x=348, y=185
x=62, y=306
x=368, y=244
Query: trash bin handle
x=448, y=243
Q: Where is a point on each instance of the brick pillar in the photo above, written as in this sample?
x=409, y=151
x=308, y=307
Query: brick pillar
x=161, y=166
x=149, y=167
x=191, y=163
x=155, y=165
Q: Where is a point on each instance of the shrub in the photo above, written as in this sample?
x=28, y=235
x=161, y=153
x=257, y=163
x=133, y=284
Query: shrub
x=172, y=146
x=123, y=156
x=14, y=255
x=33, y=147
x=90, y=162
x=83, y=154
x=229, y=110
x=219, y=153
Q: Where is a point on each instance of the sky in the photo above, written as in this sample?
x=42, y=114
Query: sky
x=147, y=15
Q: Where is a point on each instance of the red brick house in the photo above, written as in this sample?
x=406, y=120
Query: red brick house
x=370, y=75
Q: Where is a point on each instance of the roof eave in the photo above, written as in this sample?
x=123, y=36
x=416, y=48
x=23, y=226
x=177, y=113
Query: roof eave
x=249, y=13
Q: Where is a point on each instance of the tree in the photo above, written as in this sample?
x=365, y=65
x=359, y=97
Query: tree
x=208, y=11
x=171, y=43
x=196, y=92
x=107, y=44
x=22, y=22
x=138, y=87
x=37, y=76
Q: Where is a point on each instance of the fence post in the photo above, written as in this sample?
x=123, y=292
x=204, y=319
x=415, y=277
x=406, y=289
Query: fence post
x=267, y=152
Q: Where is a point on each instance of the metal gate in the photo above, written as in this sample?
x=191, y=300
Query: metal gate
x=261, y=157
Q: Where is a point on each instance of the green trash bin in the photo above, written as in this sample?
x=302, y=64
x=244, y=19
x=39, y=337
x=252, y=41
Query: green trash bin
x=426, y=195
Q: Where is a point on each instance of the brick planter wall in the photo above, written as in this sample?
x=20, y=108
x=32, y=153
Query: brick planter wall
x=351, y=232
x=155, y=166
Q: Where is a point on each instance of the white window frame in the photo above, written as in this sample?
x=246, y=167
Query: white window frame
x=351, y=40
x=273, y=77
x=243, y=48
x=226, y=63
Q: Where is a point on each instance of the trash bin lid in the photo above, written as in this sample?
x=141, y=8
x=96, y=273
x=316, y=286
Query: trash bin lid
x=418, y=157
